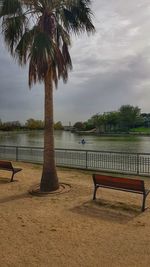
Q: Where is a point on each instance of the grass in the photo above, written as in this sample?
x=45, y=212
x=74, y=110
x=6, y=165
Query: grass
x=141, y=130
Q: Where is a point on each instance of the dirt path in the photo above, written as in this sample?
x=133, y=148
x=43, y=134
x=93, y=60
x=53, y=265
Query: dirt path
x=70, y=230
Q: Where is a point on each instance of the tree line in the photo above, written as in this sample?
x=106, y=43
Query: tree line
x=30, y=124
x=125, y=119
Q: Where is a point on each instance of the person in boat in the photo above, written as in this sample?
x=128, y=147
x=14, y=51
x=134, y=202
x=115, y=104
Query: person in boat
x=83, y=141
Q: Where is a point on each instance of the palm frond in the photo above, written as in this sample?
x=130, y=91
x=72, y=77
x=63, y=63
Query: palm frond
x=10, y=7
x=46, y=41
x=83, y=15
x=23, y=47
x=66, y=56
x=54, y=75
x=41, y=55
x=12, y=28
x=76, y=16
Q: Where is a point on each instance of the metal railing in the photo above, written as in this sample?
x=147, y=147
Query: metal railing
x=121, y=162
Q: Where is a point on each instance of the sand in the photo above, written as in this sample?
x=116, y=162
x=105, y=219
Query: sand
x=69, y=229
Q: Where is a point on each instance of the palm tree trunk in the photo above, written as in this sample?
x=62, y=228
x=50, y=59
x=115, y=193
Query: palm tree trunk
x=49, y=180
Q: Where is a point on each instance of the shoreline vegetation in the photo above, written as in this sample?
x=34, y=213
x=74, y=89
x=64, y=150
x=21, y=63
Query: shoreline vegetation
x=93, y=132
x=128, y=120
x=131, y=133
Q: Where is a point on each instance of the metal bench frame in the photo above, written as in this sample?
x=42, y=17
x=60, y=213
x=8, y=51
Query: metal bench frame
x=7, y=166
x=123, y=184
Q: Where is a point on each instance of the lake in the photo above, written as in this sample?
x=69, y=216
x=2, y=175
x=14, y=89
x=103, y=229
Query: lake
x=66, y=139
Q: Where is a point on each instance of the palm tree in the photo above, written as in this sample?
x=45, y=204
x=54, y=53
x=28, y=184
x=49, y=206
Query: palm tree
x=39, y=31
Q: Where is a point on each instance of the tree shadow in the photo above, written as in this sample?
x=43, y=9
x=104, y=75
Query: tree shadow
x=15, y=197
x=4, y=180
x=108, y=211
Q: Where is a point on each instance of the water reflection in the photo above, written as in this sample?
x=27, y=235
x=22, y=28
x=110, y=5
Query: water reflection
x=9, y=138
x=70, y=140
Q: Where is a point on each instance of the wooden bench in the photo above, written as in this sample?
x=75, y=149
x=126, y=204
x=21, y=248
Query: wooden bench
x=123, y=184
x=7, y=166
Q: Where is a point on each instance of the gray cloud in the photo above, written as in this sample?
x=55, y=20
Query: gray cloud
x=110, y=68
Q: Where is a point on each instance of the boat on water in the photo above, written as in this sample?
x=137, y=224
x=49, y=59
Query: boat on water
x=82, y=142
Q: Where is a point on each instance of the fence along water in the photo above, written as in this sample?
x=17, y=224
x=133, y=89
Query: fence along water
x=121, y=162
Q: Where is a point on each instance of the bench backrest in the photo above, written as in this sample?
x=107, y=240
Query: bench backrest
x=120, y=183
x=6, y=165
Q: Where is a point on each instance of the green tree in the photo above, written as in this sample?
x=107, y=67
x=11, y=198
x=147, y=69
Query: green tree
x=10, y=126
x=58, y=126
x=129, y=116
x=112, y=121
x=39, y=31
x=88, y=125
x=95, y=120
x=99, y=121
x=145, y=117
x=34, y=124
x=79, y=125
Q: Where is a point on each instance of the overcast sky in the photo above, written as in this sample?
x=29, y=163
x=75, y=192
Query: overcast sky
x=110, y=68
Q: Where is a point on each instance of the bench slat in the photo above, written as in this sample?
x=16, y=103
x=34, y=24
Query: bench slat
x=7, y=166
x=117, y=182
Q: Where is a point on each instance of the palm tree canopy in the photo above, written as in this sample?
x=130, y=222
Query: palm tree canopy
x=39, y=31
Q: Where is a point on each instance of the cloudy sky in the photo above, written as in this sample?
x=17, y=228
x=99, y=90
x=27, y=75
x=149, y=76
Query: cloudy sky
x=110, y=68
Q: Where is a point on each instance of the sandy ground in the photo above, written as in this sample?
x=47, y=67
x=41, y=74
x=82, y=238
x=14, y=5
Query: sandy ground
x=70, y=229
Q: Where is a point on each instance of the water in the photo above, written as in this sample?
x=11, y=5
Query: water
x=64, y=139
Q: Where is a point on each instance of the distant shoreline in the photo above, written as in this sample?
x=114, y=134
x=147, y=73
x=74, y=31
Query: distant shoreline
x=113, y=134
x=123, y=134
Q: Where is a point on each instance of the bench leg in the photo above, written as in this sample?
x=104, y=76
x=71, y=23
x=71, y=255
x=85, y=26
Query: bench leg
x=143, y=204
x=11, y=180
x=94, y=195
